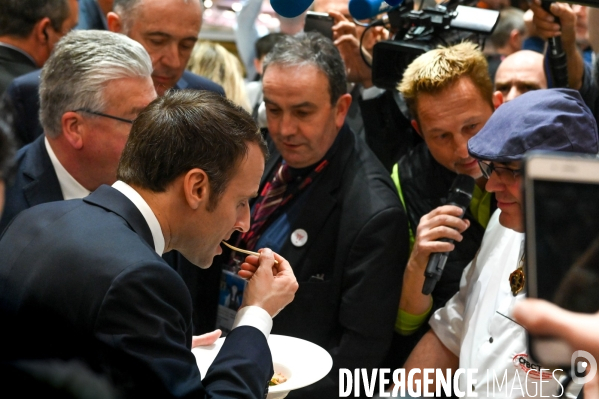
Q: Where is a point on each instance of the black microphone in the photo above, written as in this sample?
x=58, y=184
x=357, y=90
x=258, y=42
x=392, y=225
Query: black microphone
x=460, y=195
x=558, y=64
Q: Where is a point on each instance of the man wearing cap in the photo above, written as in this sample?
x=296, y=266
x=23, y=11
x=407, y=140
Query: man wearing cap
x=473, y=330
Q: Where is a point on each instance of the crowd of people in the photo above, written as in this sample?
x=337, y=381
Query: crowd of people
x=129, y=150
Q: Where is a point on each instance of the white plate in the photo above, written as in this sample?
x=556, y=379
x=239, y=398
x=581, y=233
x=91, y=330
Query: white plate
x=302, y=362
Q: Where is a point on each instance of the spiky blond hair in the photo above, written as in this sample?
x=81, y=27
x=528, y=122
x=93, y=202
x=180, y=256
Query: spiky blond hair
x=438, y=69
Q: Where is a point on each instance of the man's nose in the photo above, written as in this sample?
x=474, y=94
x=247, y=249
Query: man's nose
x=461, y=146
x=513, y=93
x=494, y=184
x=243, y=220
x=288, y=125
x=170, y=56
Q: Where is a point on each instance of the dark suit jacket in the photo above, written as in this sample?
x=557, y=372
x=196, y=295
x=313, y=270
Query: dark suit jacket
x=90, y=16
x=23, y=96
x=85, y=271
x=35, y=182
x=12, y=64
x=358, y=240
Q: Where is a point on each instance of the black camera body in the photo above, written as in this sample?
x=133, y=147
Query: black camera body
x=420, y=31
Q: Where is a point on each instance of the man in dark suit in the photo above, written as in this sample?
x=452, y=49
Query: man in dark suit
x=167, y=30
x=92, y=269
x=334, y=212
x=28, y=32
x=93, y=86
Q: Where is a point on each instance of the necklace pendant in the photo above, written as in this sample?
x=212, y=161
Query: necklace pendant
x=517, y=281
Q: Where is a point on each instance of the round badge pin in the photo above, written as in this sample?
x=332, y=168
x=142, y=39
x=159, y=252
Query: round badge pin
x=299, y=237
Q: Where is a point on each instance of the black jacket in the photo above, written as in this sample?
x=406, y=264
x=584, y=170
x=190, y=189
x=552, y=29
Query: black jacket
x=425, y=185
x=357, y=243
x=84, y=271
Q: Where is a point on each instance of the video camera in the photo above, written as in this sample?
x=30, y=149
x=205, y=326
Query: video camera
x=416, y=32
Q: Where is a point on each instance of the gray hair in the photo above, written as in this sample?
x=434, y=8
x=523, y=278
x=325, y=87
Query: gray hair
x=81, y=65
x=126, y=9
x=311, y=48
x=509, y=19
x=18, y=17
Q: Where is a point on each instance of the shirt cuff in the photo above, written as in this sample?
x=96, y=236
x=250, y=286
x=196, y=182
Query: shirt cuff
x=372, y=92
x=254, y=316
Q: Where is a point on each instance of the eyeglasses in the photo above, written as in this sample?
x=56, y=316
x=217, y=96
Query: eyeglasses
x=506, y=175
x=89, y=111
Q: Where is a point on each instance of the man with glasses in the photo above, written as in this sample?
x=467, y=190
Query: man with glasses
x=92, y=88
x=474, y=330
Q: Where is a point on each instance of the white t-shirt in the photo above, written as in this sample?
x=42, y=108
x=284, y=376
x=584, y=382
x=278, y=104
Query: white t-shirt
x=476, y=323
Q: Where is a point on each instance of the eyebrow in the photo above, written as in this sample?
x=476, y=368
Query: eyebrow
x=300, y=105
x=529, y=83
x=163, y=34
x=167, y=36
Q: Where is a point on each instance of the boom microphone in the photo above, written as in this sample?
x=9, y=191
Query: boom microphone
x=460, y=195
x=290, y=8
x=366, y=9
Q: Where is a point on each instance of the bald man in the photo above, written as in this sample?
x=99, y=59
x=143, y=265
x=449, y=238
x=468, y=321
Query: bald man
x=519, y=73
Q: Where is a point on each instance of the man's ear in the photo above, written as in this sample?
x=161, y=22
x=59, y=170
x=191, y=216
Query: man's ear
x=73, y=129
x=497, y=99
x=515, y=40
x=343, y=104
x=416, y=127
x=196, y=188
x=40, y=30
x=114, y=22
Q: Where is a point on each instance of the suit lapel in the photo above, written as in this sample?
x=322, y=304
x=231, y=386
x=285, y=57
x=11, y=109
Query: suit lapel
x=114, y=201
x=43, y=186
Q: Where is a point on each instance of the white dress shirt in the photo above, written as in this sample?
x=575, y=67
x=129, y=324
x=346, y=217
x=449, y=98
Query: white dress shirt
x=247, y=316
x=71, y=189
x=476, y=324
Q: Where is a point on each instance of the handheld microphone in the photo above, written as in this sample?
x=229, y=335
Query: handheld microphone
x=460, y=194
x=366, y=9
x=558, y=64
x=290, y=8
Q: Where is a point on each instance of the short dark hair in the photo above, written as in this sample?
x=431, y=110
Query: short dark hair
x=186, y=129
x=18, y=17
x=311, y=48
x=265, y=43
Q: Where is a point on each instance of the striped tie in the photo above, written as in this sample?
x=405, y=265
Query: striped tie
x=272, y=195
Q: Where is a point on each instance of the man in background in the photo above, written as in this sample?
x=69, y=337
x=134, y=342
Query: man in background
x=519, y=73
x=328, y=205
x=167, y=30
x=92, y=88
x=29, y=29
x=472, y=331
x=450, y=97
x=506, y=39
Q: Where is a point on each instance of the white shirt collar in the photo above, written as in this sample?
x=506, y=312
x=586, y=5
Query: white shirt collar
x=146, y=212
x=71, y=189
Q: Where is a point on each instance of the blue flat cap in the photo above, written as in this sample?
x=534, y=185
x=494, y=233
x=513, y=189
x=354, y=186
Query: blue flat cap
x=550, y=120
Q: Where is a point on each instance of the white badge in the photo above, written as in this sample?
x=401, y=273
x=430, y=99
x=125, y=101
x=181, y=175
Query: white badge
x=299, y=237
